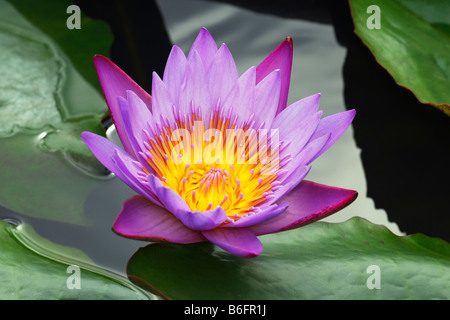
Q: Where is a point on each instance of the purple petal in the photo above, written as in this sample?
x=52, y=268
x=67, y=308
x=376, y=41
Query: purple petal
x=298, y=137
x=162, y=103
x=289, y=183
x=206, y=47
x=175, y=203
x=334, y=124
x=104, y=150
x=170, y=199
x=308, y=202
x=175, y=73
x=115, y=83
x=302, y=110
x=129, y=169
x=267, y=99
x=240, y=241
x=268, y=213
x=136, y=118
x=116, y=161
x=206, y=220
x=140, y=116
x=304, y=157
x=142, y=220
x=194, y=88
x=221, y=75
x=242, y=97
x=280, y=58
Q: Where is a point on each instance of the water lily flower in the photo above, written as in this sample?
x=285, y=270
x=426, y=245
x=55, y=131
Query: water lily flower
x=215, y=156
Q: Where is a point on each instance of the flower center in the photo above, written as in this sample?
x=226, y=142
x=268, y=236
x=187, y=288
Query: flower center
x=237, y=190
x=219, y=166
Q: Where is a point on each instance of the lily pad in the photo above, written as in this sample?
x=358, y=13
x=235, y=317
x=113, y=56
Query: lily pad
x=412, y=42
x=45, y=168
x=31, y=270
x=318, y=261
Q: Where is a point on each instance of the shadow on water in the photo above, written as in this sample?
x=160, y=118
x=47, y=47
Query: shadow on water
x=402, y=141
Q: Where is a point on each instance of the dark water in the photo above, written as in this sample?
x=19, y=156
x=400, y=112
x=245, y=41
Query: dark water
x=319, y=61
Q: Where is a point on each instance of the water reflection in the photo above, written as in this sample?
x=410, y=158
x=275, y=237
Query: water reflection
x=12, y=220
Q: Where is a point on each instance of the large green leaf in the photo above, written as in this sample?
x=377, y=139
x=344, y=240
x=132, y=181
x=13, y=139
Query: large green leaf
x=46, y=170
x=318, y=261
x=33, y=268
x=412, y=43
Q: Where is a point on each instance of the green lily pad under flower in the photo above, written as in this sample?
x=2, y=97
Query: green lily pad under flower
x=318, y=261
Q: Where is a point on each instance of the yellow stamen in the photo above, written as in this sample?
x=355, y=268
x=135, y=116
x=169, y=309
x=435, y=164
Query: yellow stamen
x=223, y=169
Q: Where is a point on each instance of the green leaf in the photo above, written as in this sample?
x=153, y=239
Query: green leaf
x=32, y=268
x=412, y=43
x=46, y=170
x=318, y=261
x=79, y=45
